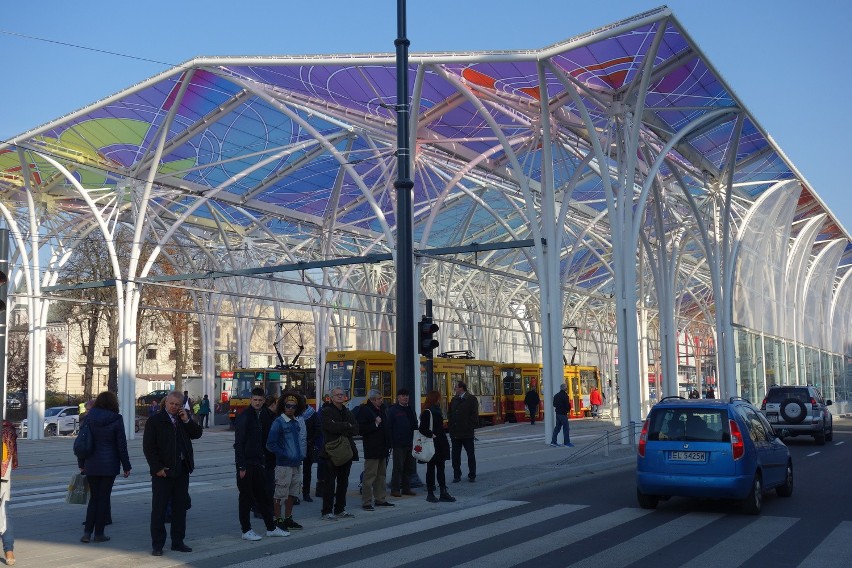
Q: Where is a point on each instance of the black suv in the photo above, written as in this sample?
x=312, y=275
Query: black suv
x=794, y=410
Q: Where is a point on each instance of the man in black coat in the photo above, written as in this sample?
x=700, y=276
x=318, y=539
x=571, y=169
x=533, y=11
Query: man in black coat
x=372, y=424
x=463, y=418
x=250, y=458
x=167, y=444
x=336, y=421
x=402, y=422
x=531, y=401
x=561, y=408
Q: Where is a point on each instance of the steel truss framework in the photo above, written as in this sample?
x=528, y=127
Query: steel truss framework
x=656, y=203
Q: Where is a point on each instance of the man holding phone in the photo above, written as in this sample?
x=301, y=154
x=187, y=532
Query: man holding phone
x=167, y=444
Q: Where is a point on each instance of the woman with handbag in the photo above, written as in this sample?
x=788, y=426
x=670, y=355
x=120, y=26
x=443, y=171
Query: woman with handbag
x=432, y=426
x=101, y=467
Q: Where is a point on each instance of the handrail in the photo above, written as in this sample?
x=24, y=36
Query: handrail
x=630, y=432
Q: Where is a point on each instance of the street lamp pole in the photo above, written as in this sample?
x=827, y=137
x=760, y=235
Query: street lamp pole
x=404, y=224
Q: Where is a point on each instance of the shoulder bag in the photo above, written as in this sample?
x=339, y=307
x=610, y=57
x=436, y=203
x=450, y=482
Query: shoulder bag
x=423, y=448
x=339, y=450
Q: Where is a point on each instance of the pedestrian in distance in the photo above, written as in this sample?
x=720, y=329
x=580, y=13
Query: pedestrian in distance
x=167, y=445
x=10, y=462
x=711, y=393
x=463, y=419
x=432, y=426
x=694, y=394
x=109, y=443
x=250, y=459
x=309, y=421
x=402, y=422
x=285, y=442
x=595, y=400
x=337, y=421
x=372, y=424
x=561, y=408
x=531, y=401
x=204, y=412
x=153, y=408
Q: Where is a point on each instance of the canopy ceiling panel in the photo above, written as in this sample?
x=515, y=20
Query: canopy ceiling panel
x=303, y=148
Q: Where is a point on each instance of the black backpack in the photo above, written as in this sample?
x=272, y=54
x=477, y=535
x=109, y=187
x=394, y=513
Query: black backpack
x=83, y=445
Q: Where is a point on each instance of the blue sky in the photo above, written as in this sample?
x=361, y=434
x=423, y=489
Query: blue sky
x=784, y=59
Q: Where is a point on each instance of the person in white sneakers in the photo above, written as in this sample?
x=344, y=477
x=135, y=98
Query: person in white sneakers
x=251, y=478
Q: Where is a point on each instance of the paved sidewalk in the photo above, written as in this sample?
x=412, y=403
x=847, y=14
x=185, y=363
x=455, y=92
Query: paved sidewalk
x=511, y=458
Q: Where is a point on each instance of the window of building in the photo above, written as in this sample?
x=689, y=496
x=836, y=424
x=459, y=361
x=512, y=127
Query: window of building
x=151, y=354
x=105, y=352
x=85, y=349
x=172, y=354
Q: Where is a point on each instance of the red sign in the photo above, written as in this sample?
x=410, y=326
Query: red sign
x=226, y=375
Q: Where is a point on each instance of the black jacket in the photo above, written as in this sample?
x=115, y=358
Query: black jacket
x=437, y=432
x=161, y=438
x=336, y=422
x=532, y=398
x=561, y=404
x=402, y=422
x=376, y=438
x=251, y=430
x=463, y=416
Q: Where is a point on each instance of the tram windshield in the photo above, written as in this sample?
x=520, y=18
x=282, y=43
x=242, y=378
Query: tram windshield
x=339, y=374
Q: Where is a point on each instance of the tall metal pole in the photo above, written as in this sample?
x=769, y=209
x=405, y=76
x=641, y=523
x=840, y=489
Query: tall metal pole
x=404, y=194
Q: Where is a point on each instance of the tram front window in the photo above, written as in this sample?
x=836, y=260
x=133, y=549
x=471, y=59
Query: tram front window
x=338, y=374
x=242, y=386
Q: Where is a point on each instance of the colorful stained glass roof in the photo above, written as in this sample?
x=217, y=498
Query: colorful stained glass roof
x=295, y=149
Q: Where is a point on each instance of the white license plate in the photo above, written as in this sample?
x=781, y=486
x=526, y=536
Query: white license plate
x=687, y=456
x=772, y=418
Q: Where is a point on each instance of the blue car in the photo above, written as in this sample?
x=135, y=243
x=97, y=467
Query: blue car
x=712, y=449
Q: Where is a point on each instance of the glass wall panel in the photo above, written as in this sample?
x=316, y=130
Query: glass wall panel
x=781, y=349
x=792, y=375
x=826, y=385
x=770, y=358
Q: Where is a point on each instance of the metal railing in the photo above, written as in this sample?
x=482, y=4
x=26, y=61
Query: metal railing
x=624, y=436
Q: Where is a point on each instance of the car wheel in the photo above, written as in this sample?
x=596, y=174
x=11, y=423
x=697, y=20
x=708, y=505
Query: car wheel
x=50, y=430
x=647, y=501
x=786, y=489
x=752, y=504
x=793, y=411
x=829, y=435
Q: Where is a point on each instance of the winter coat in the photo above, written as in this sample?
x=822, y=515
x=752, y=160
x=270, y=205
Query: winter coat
x=437, y=433
x=561, y=404
x=205, y=406
x=284, y=442
x=376, y=438
x=336, y=422
x=595, y=397
x=532, y=398
x=402, y=422
x=109, y=443
x=161, y=440
x=250, y=437
x=463, y=416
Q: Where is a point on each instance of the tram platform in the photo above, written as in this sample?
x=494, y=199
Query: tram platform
x=511, y=458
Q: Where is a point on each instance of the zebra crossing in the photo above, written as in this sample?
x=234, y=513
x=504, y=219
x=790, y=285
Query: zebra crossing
x=497, y=534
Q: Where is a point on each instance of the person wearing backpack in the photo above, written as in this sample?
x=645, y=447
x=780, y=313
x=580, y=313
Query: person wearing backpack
x=101, y=465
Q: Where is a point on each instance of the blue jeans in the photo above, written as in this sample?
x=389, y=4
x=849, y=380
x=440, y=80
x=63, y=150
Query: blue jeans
x=8, y=536
x=561, y=422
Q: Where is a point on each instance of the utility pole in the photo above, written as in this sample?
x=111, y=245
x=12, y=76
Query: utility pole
x=404, y=224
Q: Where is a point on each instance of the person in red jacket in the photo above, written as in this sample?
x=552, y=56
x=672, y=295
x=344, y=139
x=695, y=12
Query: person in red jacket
x=596, y=400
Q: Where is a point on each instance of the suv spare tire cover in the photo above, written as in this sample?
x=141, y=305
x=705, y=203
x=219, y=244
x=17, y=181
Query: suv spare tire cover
x=793, y=411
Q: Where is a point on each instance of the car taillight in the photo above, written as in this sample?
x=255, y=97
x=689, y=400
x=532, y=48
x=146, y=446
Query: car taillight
x=813, y=403
x=737, y=445
x=763, y=404
x=643, y=439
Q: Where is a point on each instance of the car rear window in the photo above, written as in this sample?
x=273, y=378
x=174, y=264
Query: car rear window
x=782, y=394
x=689, y=425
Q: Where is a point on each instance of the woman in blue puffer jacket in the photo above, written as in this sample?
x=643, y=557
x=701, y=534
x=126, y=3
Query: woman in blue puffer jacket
x=109, y=443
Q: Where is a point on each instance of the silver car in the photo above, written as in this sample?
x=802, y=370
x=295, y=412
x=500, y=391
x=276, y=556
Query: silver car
x=796, y=410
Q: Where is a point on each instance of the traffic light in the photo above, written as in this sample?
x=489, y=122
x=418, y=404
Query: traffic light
x=427, y=342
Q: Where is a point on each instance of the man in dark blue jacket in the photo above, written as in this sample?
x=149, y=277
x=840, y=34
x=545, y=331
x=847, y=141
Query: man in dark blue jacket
x=167, y=444
x=561, y=408
x=402, y=422
x=250, y=458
